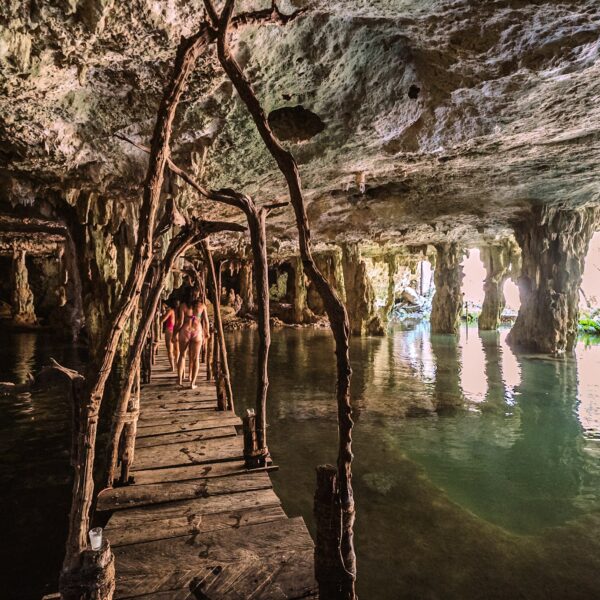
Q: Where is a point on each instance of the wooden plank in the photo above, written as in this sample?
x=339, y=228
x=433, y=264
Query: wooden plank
x=175, y=425
x=268, y=560
x=192, y=453
x=196, y=523
x=153, y=493
x=222, y=469
x=200, y=416
x=155, y=400
x=153, y=417
x=288, y=576
x=183, y=526
x=186, y=436
x=145, y=516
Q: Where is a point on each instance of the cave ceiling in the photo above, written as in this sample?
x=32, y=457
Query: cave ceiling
x=457, y=115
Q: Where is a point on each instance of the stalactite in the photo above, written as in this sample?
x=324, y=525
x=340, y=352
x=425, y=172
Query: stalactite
x=499, y=261
x=447, y=300
x=360, y=297
x=329, y=263
x=246, y=288
x=554, y=243
x=392, y=264
x=300, y=311
x=22, y=297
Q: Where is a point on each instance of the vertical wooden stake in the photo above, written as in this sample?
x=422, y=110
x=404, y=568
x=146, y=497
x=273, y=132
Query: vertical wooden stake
x=220, y=337
x=209, y=357
x=254, y=456
x=329, y=568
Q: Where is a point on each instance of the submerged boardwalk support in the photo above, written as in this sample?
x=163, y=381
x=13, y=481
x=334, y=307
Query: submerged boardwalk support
x=196, y=523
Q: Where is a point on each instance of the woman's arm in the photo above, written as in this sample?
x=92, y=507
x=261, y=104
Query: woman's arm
x=179, y=320
x=205, y=321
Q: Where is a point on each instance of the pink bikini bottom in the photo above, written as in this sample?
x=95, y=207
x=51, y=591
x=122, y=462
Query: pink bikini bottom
x=189, y=335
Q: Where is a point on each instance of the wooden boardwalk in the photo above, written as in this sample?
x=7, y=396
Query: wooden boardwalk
x=196, y=524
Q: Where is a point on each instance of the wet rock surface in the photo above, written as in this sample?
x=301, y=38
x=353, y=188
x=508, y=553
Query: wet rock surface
x=456, y=114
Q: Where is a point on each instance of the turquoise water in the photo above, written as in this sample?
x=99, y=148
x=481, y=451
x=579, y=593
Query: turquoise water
x=476, y=471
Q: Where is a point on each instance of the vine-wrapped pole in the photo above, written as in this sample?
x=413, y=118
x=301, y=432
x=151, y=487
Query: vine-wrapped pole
x=126, y=415
x=256, y=217
x=335, y=309
x=83, y=484
x=221, y=349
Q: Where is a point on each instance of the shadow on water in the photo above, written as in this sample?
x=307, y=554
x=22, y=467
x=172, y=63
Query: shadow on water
x=476, y=472
x=34, y=470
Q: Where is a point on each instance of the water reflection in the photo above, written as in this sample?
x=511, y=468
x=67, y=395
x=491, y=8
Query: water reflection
x=34, y=470
x=476, y=470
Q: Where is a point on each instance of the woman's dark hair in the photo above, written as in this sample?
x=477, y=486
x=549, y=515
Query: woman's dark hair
x=188, y=296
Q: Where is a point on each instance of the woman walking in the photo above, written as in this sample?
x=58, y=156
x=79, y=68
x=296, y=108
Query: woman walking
x=168, y=323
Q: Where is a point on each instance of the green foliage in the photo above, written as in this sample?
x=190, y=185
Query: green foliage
x=588, y=325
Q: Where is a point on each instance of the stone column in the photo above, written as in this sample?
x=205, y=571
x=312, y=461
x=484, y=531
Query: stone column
x=554, y=243
x=22, y=296
x=392, y=265
x=447, y=300
x=246, y=288
x=360, y=298
x=300, y=310
x=330, y=265
x=498, y=260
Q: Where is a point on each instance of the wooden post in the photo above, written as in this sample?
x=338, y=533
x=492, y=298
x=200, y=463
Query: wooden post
x=215, y=284
x=83, y=482
x=334, y=307
x=187, y=237
x=95, y=579
x=329, y=568
x=209, y=357
x=127, y=448
x=254, y=456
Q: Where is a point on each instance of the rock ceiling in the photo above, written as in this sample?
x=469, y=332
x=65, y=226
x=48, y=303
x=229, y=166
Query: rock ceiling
x=457, y=114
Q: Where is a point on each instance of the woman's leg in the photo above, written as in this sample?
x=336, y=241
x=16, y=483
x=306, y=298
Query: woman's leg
x=195, y=347
x=169, y=346
x=183, y=345
x=175, y=346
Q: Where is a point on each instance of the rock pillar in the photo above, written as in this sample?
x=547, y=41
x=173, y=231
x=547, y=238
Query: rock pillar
x=498, y=260
x=300, y=311
x=447, y=300
x=392, y=268
x=554, y=243
x=360, y=298
x=330, y=265
x=22, y=296
x=246, y=288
